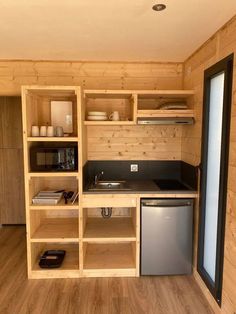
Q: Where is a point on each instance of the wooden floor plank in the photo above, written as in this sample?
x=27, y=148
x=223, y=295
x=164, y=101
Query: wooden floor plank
x=144, y=295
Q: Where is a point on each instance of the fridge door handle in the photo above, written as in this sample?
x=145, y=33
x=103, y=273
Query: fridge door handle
x=166, y=206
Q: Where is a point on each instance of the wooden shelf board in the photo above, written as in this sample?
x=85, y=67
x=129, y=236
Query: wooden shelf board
x=104, y=93
x=71, y=260
x=54, y=239
x=60, y=206
x=54, y=273
x=109, y=256
x=57, y=230
x=141, y=93
x=129, y=272
x=53, y=174
x=109, y=122
x=181, y=93
x=99, y=229
x=165, y=113
x=52, y=139
x=52, y=91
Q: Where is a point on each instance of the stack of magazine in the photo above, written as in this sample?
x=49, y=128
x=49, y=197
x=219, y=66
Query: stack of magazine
x=47, y=197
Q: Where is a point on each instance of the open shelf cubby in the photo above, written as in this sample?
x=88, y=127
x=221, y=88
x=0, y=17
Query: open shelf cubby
x=38, y=107
x=42, y=153
x=52, y=226
x=71, y=260
x=150, y=103
x=110, y=101
x=121, y=226
x=109, y=258
x=52, y=183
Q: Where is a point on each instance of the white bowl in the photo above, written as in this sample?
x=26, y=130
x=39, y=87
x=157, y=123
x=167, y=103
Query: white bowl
x=97, y=113
x=97, y=118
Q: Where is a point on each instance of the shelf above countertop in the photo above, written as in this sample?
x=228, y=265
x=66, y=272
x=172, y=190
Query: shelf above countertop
x=141, y=93
x=109, y=122
x=157, y=113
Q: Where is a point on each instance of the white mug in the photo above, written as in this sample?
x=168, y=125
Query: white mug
x=43, y=130
x=59, y=131
x=50, y=131
x=35, y=130
x=114, y=116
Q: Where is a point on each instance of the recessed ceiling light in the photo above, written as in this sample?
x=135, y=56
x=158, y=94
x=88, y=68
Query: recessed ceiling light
x=159, y=7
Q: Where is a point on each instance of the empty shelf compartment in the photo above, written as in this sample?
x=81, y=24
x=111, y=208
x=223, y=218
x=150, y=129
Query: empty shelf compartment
x=109, y=256
x=99, y=228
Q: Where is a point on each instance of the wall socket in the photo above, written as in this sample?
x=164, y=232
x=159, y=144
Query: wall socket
x=133, y=168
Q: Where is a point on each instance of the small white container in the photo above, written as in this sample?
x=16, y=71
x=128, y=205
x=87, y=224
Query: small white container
x=43, y=130
x=35, y=130
x=50, y=131
x=114, y=116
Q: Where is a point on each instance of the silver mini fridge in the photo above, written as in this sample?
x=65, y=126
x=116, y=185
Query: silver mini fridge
x=166, y=236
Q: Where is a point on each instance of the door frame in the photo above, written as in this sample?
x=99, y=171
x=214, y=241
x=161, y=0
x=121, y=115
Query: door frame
x=226, y=66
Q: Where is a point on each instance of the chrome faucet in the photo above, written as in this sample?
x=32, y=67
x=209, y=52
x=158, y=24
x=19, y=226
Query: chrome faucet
x=98, y=177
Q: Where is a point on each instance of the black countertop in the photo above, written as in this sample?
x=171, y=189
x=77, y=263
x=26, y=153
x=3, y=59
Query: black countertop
x=139, y=187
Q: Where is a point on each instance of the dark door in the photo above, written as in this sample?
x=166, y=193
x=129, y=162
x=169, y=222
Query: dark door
x=214, y=166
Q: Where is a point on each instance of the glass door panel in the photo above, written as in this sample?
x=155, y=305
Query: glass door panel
x=214, y=169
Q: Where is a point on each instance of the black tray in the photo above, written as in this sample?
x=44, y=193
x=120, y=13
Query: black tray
x=52, y=259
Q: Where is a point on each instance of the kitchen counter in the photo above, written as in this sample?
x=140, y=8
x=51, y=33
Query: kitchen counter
x=141, y=187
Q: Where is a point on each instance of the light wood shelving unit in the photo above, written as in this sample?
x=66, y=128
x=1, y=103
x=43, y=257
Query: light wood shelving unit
x=133, y=104
x=95, y=247
x=111, y=246
x=51, y=226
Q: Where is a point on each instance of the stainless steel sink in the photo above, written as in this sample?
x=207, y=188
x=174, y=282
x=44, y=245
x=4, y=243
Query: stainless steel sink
x=109, y=186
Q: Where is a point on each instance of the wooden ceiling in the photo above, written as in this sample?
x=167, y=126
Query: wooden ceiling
x=108, y=30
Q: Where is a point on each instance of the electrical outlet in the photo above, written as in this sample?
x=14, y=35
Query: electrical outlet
x=134, y=168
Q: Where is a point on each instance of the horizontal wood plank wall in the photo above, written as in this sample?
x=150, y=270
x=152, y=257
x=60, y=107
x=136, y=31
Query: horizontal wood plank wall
x=134, y=142
x=90, y=75
x=219, y=46
x=104, y=142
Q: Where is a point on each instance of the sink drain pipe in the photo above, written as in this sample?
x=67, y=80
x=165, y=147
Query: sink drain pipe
x=106, y=212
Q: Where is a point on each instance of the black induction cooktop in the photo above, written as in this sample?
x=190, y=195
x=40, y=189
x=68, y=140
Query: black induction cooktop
x=171, y=185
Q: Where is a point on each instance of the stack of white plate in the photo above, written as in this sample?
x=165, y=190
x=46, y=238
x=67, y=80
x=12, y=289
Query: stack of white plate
x=97, y=116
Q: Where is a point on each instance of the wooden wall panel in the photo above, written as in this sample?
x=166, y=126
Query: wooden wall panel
x=11, y=187
x=134, y=142
x=10, y=122
x=12, y=209
x=219, y=46
x=90, y=75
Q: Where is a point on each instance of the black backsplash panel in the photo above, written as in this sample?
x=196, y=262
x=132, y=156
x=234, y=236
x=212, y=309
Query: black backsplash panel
x=148, y=170
x=189, y=174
